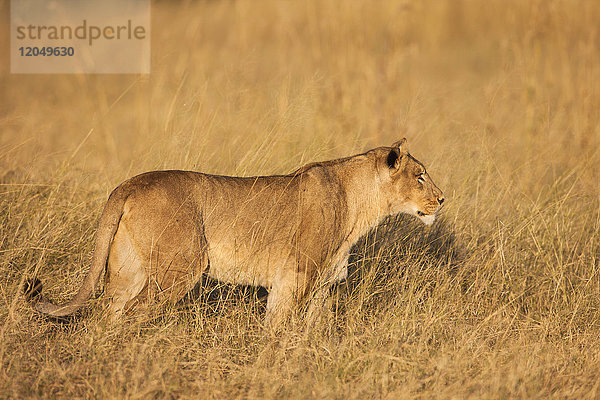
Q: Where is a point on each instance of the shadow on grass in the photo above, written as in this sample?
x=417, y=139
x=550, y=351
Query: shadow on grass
x=401, y=238
x=214, y=295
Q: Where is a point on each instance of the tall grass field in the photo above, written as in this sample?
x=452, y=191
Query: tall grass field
x=499, y=298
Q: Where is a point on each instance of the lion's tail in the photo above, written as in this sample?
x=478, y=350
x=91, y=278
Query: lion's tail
x=107, y=227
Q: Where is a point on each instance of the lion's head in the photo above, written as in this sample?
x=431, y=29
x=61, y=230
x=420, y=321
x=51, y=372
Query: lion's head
x=406, y=185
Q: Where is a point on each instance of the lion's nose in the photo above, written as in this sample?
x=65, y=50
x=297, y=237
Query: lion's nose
x=441, y=200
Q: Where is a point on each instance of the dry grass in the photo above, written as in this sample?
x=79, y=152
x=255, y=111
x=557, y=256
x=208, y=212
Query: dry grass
x=500, y=99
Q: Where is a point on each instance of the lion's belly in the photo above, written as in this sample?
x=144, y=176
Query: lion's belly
x=245, y=265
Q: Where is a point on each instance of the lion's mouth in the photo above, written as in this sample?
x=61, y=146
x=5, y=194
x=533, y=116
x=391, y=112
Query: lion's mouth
x=421, y=213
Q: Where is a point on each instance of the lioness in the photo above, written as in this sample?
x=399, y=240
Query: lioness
x=160, y=231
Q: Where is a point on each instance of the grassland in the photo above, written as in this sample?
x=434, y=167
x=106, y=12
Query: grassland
x=499, y=299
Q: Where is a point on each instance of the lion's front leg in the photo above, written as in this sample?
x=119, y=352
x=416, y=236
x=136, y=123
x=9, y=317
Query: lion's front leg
x=286, y=293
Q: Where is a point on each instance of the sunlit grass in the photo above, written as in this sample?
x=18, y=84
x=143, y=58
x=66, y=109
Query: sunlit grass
x=499, y=298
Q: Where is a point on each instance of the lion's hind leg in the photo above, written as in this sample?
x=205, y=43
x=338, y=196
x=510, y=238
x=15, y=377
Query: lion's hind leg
x=177, y=262
x=127, y=274
x=176, y=275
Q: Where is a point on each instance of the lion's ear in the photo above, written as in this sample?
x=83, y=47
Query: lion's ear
x=393, y=158
x=402, y=146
